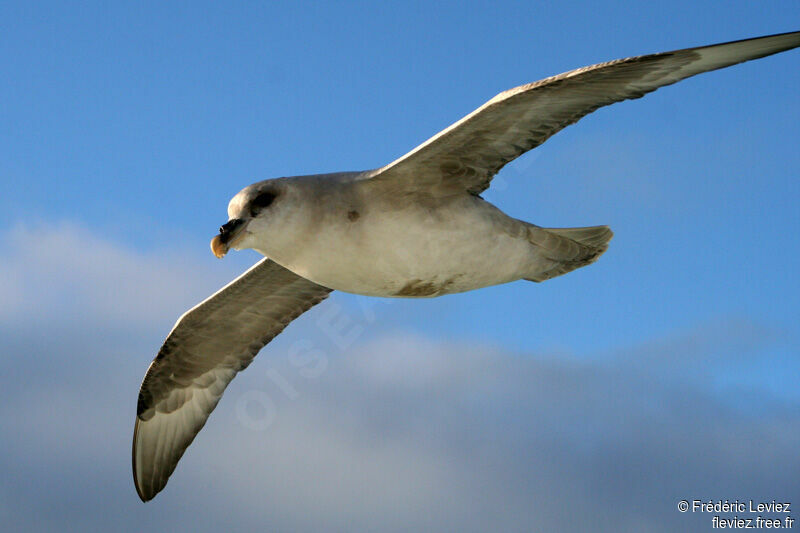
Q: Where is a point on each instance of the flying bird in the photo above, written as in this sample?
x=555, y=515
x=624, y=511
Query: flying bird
x=416, y=227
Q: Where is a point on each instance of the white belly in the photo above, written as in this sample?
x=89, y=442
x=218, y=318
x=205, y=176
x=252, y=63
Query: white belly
x=417, y=252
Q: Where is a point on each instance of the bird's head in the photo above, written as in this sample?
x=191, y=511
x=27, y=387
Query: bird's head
x=249, y=209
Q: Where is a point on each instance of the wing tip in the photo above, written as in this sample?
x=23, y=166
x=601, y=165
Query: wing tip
x=144, y=494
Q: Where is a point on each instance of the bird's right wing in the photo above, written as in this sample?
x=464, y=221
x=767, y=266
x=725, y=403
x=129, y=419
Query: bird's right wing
x=465, y=156
x=207, y=347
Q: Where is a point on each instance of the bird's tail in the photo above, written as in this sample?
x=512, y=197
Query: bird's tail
x=568, y=248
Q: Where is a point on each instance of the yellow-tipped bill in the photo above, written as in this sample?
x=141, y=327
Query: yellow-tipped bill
x=229, y=234
x=218, y=247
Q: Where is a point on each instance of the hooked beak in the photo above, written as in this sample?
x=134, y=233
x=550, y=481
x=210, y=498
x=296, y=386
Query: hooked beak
x=229, y=234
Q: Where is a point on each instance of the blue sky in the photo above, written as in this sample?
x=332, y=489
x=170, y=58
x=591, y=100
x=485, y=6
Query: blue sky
x=125, y=128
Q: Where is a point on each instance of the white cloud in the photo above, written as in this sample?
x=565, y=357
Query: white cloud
x=393, y=433
x=66, y=270
x=408, y=434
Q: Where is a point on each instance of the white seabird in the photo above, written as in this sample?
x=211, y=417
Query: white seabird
x=414, y=228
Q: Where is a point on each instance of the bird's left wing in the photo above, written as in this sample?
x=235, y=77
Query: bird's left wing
x=207, y=347
x=469, y=153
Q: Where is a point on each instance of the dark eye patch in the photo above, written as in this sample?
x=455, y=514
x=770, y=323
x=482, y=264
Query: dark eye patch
x=260, y=202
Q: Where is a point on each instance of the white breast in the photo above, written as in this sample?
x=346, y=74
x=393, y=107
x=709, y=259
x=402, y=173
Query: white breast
x=422, y=250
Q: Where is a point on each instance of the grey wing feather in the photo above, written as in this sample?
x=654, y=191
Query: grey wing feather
x=207, y=347
x=470, y=152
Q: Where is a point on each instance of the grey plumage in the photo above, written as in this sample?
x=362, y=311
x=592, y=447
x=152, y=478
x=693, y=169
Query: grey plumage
x=207, y=347
x=373, y=232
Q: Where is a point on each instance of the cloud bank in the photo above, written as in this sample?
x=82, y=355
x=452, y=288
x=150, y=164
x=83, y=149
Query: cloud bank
x=382, y=432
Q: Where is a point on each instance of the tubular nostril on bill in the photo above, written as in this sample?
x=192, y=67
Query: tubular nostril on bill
x=230, y=226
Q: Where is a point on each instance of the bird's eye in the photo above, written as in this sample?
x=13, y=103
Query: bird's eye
x=260, y=202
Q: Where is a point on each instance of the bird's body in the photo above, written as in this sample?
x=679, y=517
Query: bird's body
x=416, y=227
x=425, y=245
